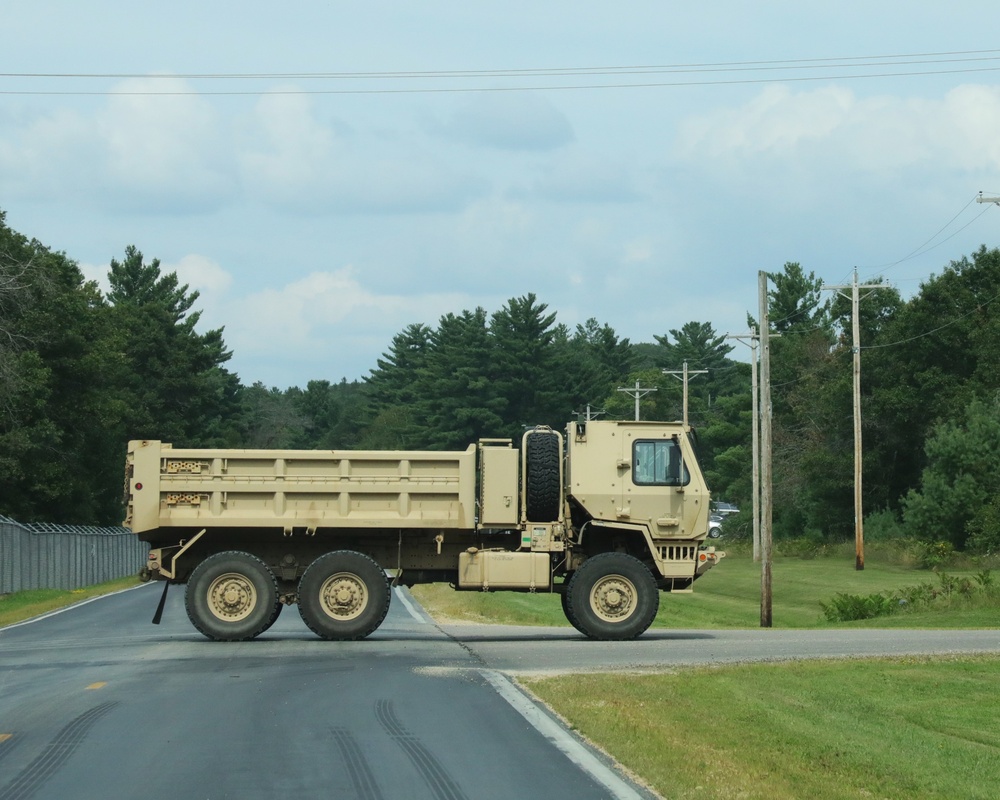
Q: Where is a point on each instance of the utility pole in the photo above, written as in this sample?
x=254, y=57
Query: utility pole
x=682, y=375
x=994, y=200
x=590, y=413
x=753, y=336
x=859, y=525
x=765, y=456
x=636, y=393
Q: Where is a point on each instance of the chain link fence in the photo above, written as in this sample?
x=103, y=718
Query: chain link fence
x=46, y=556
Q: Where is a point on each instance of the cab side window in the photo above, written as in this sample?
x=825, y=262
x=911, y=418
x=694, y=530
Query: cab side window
x=658, y=463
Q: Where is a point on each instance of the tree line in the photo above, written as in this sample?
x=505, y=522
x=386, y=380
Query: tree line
x=83, y=371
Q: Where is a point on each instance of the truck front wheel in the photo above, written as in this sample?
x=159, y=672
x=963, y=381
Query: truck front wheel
x=343, y=595
x=612, y=596
x=232, y=597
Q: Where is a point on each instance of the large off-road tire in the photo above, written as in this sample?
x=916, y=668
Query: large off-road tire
x=278, y=605
x=612, y=596
x=343, y=595
x=542, y=493
x=232, y=596
x=570, y=615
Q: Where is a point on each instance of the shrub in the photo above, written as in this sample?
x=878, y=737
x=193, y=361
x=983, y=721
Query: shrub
x=933, y=555
x=984, y=530
x=883, y=526
x=850, y=607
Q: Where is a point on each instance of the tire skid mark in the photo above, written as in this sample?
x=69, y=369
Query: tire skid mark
x=55, y=754
x=362, y=775
x=430, y=769
x=7, y=742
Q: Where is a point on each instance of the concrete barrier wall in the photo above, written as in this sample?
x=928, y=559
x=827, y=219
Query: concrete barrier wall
x=44, y=556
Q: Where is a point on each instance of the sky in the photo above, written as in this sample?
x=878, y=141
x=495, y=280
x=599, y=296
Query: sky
x=325, y=174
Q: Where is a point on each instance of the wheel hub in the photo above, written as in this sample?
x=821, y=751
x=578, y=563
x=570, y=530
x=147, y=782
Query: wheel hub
x=613, y=598
x=232, y=597
x=343, y=596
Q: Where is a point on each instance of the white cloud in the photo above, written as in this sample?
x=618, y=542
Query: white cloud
x=323, y=313
x=773, y=121
x=200, y=273
x=137, y=152
x=832, y=125
x=163, y=146
x=298, y=162
x=52, y=155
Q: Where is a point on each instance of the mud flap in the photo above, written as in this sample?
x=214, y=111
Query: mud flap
x=163, y=601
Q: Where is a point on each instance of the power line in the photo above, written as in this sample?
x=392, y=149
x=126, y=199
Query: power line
x=721, y=66
x=979, y=307
x=923, y=248
x=786, y=66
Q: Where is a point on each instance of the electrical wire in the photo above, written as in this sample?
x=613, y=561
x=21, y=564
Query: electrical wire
x=923, y=248
x=790, y=67
x=979, y=307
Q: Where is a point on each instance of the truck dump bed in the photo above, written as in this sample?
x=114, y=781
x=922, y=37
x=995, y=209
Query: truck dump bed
x=295, y=489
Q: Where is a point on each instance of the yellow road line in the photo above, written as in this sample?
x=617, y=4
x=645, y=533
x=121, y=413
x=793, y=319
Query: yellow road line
x=5, y=736
x=98, y=685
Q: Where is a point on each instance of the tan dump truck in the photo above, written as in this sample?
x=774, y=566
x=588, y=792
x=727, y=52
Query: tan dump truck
x=607, y=515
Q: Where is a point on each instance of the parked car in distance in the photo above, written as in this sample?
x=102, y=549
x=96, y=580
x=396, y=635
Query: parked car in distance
x=722, y=509
x=714, y=526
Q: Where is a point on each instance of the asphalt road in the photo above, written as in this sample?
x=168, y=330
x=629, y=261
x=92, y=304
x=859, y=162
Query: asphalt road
x=97, y=703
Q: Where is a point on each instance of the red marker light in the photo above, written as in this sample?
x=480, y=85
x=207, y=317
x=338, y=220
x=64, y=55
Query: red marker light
x=138, y=486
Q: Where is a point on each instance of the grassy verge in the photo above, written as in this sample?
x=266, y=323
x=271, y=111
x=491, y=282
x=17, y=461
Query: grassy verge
x=881, y=728
x=729, y=597
x=913, y=727
x=19, y=606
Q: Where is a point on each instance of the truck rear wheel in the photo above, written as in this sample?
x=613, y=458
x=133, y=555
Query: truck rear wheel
x=232, y=596
x=612, y=596
x=542, y=489
x=343, y=595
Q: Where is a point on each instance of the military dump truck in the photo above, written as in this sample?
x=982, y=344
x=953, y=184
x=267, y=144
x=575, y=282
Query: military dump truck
x=607, y=515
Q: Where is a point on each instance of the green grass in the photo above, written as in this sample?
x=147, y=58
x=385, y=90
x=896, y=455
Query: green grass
x=896, y=728
x=19, y=606
x=728, y=596
x=874, y=728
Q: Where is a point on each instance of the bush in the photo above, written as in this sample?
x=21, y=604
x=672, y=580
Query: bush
x=883, y=526
x=738, y=527
x=933, y=555
x=984, y=530
x=850, y=607
x=811, y=545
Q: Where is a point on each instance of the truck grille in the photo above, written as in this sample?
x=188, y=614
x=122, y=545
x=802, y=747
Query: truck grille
x=679, y=553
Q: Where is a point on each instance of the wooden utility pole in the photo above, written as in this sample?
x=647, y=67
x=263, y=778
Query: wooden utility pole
x=859, y=523
x=589, y=414
x=753, y=336
x=636, y=393
x=765, y=454
x=682, y=375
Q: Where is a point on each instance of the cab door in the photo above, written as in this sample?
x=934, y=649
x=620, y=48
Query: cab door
x=654, y=487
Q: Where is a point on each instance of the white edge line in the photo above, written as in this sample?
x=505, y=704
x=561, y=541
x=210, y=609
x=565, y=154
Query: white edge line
x=409, y=606
x=69, y=608
x=569, y=746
